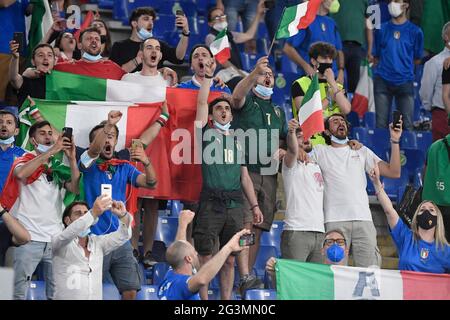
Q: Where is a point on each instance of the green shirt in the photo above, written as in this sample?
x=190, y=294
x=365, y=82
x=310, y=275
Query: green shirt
x=351, y=20
x=263, y=117
x=436, y=186
x=435, y=15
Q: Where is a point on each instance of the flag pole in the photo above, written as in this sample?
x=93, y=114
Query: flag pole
x=275, y=35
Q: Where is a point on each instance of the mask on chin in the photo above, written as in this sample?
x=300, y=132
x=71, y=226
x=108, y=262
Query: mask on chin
x=90, y=57
x=10, y=140
x=264, y=91
x=42, y=148
x=339, y=141
x=84, y=233
x=220, y=26
x=223, y=127
x=144, y=34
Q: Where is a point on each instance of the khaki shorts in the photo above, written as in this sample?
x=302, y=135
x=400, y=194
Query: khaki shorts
x=303, y=246
x=266, y=193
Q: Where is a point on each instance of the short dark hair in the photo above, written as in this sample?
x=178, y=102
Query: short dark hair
x=58, y=40
x=322, y=49
x=141, y=46
x=141, y=11
x=90, y=29
x=101, y=125
x=201, y=45
x=37, y=126
x=216, y=101
x=68, y=209
x=327, y=126
x=210, y=11
x=4, y=112
x=334, y=231
x=41, y=45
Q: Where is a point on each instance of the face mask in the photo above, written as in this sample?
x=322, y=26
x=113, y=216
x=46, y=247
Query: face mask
x=91, y=58
x=335, y=253
x=10, y=140
x=223, y=127
x=426, y=220
x=339, y=141
x=43, y=148
x=335, y=5
x=103, y=39
x=220, y=25
x=143, y=34
x=84, y=233
x=264, y=91
x=395, y=9
x=324, y=66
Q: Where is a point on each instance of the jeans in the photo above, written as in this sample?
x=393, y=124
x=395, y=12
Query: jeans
x=353, y=54
x=244, y=8
x=404, y=98
x=26, y=259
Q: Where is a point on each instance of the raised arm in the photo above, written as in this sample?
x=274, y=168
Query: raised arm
x=251, y=31
x=180, y=52
x=148, y=179
x=95, y=148
x=150, y=133
x=15, y=78
x=20, y=235
x=73, y=184
x=6, y=3
x=292, y=145
x=114, y=240
x=393, y=169
x=185, y=217
x=202, y=98
x=292, y=54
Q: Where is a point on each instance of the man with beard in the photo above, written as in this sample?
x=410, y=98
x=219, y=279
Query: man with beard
x=255, y=112
x=346, y=204
x=303, y=229
x=99, y=166
x=91, y=62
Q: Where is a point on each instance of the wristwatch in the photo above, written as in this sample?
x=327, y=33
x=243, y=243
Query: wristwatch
x=3, y=212
x=186, y=34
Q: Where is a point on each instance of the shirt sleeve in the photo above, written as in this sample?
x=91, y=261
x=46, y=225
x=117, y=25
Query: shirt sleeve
x=133, y=174
x=115, y=239
x=445, y=76
x=338, y=43
x=418, y=45
x=399, y=234
x=296, y=90
x=370, y=158
x=427, y=84
x=169, y=53
x=376, y=42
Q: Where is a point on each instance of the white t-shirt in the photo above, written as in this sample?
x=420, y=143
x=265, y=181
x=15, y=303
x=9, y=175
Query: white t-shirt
x=39, y=208
x=344, y=173
x=153, y=81
x=303, y=186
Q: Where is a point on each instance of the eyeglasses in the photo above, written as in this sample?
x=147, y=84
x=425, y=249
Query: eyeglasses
x=219, y=18
x=330, y=242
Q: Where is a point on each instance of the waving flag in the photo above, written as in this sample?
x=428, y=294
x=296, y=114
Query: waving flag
x=297, y=17
x=310, y=114
x=220, y=47
x=364, y=100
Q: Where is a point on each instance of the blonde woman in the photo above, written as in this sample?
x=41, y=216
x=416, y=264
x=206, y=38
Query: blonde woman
x=422, y=248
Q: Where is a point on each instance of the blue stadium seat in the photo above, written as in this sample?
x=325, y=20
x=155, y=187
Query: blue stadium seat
x=166, y=7
x=424, y=140
x=361, y=134
x=148, y=292
x=36, y=291
x=166, y=229
x=110, y=292
x=264, y=253
x=164, y=23
x=418, y=178
x=380, y=139
x=105, y=4
x=203, y=27
x=415, y=159
x=353, y=118
x=120, y=10
x=159, y=272
x=245, y=61
x=369, y=120
x=408, y=140
x=261, y=294
x=273, y=238
x=288, y=65
x=391, y=186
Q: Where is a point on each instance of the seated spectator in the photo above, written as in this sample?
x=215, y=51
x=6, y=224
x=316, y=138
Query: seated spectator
x=186, y=278
x=422, y=248
x=33, y=84
x=92, y=63
x=105, y=36
x=125, y=53
x=78, y=255
x=323, y=29
x=232, y=72
x=398, y=45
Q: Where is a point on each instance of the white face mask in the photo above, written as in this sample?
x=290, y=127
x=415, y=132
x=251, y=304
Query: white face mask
x=220, y=25
x=395, y=9
x=42, y=148
x=84, y=233
x=10, y=140
x=223, y=127
x=339, y=141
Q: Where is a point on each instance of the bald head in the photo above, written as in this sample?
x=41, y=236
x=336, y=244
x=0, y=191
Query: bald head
x=176, y=253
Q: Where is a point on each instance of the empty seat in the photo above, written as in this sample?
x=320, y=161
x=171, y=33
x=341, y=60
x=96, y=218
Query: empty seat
x=369, y=120
x=110, y=292
x=392, y=186
x=148, y=292
x=264, y=253
x=408, y=140
x=159, y=272
x=261, y=294
x=164, y=23
x=105, y=4
x=166, y=230
x=273, y=237
x=380, y=139
x=353, y=118
x=361, y=134
x=424, y=140
x=36, y=291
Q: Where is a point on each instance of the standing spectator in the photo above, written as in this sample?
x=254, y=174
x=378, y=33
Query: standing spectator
x=322, y=29
x=99, y=166
x=39, y=187
x=221, y=212
x=255, y=110
x=431, y=88
x=185, y=278
x=303, y=231
x=65, y=48
x=398, y=45
x=78, y=255
x=356, y=35
x=446, y=93
x=125, y=53
x=346, y=203
x=232, y=72
x=105, y=36
x=423, y=248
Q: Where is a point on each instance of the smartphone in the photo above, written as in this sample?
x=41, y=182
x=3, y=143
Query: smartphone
x=396, y=118
x=106, y=189
x=247, y=240
x=269, y=4
x=67, y=132
x=135, y=143
x=19, y=38
x=179, y=13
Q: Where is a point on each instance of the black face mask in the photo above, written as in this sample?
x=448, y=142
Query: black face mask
x=324, y=66
x=103, y=39
x=426, y=220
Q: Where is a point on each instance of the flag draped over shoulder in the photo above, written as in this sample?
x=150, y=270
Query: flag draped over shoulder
x=310, y=115
x=363, y=99
x=311, y=281
x=297, y=17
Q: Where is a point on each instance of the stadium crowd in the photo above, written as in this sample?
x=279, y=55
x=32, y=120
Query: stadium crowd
x=70, y=214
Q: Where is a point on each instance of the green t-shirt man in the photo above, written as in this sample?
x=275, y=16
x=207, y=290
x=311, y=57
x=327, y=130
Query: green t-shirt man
x=351, y=20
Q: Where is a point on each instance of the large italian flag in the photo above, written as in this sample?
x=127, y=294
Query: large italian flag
x=297, y=17
x=363, y=99
x=310, y=281
x=310, y=115
x=220, y=47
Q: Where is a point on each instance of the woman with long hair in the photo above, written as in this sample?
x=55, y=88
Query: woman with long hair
x=105, y=36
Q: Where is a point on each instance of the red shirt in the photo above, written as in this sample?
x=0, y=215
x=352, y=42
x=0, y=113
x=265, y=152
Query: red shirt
x=105, y=69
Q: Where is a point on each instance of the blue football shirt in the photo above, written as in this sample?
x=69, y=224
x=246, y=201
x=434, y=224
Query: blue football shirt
x=191, y=84
x=175, y=287
x=12, y=20
x=7, y=158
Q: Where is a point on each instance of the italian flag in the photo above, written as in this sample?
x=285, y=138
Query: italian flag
x=41, y=22
x=310, y=281
x=220, y=47
x=297, y=17
x=363, y=99
x=310, y=114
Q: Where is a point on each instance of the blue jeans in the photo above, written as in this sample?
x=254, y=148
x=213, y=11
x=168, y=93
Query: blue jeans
x=404, y=99
x=26, y=259
x=244, y=8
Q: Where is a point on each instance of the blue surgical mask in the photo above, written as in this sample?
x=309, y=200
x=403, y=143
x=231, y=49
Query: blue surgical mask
x=10, y=140
x=335, y=253
x=223, y=127
x=90, y=57
x=144, y=34
x=264, y=91
x=84, y=233
x=43, y=148
x=339, y=141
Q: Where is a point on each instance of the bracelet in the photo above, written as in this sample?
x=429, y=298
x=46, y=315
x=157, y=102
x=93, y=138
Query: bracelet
x=3, y=212
x=395, y=142
x=164, y=116
x=186, y=34
x=161, y=123
x=124, y=215
x=208, y=77
x=253, y=207
x=147, y=164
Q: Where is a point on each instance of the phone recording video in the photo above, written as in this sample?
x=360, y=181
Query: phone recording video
x=67, y=133
x=396, y=118
x=247, y=240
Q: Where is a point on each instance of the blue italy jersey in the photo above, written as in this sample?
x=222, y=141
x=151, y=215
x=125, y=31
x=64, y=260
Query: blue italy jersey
x=175, y=287
x=7, y=158
x=419, y=255
x=191, y=84
x=12, y=20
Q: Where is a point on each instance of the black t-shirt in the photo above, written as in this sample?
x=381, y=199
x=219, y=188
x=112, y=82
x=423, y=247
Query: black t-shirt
x=5, y=241
x=446, y=76
x=34, y=88
x=126, y=50
x=297, y=91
